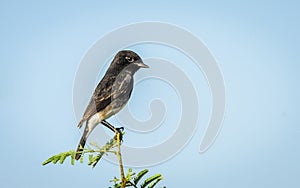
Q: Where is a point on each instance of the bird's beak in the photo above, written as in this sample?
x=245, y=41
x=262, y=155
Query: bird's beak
x=141, y=64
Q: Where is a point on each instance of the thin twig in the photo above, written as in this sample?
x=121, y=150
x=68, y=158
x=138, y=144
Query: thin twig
x=120, y=160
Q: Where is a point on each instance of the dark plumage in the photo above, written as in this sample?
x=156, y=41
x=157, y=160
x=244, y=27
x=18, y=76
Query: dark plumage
x=111, y=94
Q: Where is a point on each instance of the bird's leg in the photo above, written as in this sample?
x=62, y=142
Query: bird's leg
x=118, y=137
x=112, y=128
x=108, y=125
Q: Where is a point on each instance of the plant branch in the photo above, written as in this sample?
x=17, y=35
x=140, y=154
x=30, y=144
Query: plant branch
x=95, y=153
x=118, y=134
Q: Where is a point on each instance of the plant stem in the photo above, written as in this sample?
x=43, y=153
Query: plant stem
x=120, y=160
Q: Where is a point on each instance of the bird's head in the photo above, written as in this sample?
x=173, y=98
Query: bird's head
x=128, y=60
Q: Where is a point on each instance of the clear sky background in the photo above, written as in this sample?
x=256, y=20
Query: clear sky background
x=255, y=43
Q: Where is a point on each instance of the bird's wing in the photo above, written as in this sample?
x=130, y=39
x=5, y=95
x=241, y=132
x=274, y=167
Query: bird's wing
x=108, y=89
x=100, y=98
x=122, y=87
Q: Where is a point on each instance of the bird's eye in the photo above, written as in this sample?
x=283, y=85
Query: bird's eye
x=129, y=59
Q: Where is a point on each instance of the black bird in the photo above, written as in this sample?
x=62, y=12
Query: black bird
x=111, y=94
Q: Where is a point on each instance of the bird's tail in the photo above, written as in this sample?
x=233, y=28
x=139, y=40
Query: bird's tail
x=81, y=145
x=89, y=127
x=86, y=133
x=80, y=123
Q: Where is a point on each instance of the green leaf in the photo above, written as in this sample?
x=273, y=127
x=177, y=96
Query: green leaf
x=97, y=159
x=129, y=184
x=63, y=157
x=139, y=176
x=90, y=157
x=94, y=160
x=81, y=158
x=151, y=179
x=56, y=158
x=115, y=180
x=118, y=185
x=129, y=174
x=73, y=154
x=155, y=182
x=48, y=161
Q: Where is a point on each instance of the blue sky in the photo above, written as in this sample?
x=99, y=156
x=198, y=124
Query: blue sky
x=255, y=43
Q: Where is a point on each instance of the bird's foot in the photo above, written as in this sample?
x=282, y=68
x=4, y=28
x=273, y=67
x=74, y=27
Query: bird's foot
x=119, y=132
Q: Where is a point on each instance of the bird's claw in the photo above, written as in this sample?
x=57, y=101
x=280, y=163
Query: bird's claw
x=119, y=133
x=120, y=129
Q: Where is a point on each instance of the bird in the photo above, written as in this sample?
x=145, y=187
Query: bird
x=111, y=94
